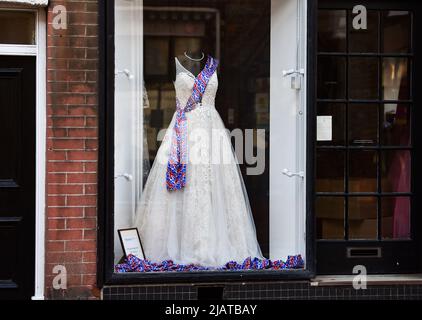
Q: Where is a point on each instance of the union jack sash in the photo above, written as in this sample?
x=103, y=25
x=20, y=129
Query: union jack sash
x=176, y=167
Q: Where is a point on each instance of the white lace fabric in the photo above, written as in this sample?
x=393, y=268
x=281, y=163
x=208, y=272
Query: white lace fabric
x=209, y=222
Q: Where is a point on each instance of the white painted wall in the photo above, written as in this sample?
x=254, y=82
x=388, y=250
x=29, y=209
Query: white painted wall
x=128, y=114
x=287, y=125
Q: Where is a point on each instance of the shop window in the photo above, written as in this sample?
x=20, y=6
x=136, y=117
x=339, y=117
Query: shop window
x=196, y=86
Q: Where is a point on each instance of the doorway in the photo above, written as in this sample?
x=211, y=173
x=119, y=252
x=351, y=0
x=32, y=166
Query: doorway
x=17, y=176
x=366, y=193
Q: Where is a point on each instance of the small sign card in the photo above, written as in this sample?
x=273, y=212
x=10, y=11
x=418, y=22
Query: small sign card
x=131, y=242
x=324, y=128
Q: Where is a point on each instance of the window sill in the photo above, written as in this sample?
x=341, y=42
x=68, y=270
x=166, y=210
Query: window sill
x=382, y=279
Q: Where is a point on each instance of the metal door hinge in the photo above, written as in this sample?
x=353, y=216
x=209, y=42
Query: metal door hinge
x=296, y=77
x=290, y=174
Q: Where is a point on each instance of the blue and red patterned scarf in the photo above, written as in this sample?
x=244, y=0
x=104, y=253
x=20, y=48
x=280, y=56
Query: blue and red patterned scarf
x=176, y=167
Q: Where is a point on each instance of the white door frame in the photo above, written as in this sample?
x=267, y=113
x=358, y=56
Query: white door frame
x=39, y=51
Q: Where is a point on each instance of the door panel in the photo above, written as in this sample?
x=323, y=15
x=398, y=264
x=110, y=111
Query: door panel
x=17, y=177
x=366, y=183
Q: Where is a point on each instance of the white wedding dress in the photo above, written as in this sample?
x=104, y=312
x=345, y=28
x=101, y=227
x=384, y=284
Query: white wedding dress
x=209, y=222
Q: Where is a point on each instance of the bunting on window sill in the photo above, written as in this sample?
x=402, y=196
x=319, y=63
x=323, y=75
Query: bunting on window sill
x=134, y=264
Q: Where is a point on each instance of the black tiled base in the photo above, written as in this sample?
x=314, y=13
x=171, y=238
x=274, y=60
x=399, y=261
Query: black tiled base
x=263, y=291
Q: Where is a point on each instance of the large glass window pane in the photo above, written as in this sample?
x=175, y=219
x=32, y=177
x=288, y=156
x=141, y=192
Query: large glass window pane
x=330, y=218
x=17, y=27
x=396, y=171
x=363, y=171
x=331, y=77
x=396, y=125
x=363, y=78
x=365, y=40
x=363, y=222
x=363, y=124
x=397, y=31
x=395, y=79
x=395, y=217
x=330, y=171
x=192, y=100
x=331, y=30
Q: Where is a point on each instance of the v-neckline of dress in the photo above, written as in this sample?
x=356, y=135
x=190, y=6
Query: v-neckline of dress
x=189, y=72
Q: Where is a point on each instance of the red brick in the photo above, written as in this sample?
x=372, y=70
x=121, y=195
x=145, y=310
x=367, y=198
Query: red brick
x=56, y=177
x=66, y=144
x=64, y=234
x=90, y=234
x=81, y=200
x=82, y=178
x=89, y=256
x=56, y=200
x=65, y=167
x=86, y=223
x=83, y=133
x=91, y=144
x=75, y=245
x=89, y=279
x=90, y=167
x=65, y=212
x=82, y=155
x=56, y=224
x=72, y=143
x=90, y=189
x=52, y=246
x=82, y=110
x=63, y=257
x=64, y=189
x=90, y=212
x=66, y=122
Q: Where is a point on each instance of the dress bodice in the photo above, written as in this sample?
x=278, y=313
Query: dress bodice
x=184, y=84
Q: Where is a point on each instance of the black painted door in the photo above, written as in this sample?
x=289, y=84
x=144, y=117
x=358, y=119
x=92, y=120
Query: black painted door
x=368, y=108
x=17, y=177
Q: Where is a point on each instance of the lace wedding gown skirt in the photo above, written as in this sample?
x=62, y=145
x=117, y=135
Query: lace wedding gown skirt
x=208, y=222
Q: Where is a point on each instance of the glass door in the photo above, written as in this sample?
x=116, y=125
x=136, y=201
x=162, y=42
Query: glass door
x=365, y=195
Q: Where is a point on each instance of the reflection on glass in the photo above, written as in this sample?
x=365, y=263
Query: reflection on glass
x=364, y=40
x=332, y=30
x=17, y=27
x=396, y=125
x=337, y=112
x=395, y=171
x=395, y=217
x=149, y=34
x=330, y=171
x=395, y=79
x=157, y=51
x=363, y=78
x=331, y=77
x=397, y=31
x=363, y=171
x=363, y=222
x=330, y=217
x=194, y=45
x=363, y=124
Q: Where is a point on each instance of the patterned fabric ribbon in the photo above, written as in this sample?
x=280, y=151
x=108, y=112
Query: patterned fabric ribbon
x=176, y=167
x=134, y=264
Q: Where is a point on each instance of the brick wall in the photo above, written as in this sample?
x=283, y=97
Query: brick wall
x=72, y=149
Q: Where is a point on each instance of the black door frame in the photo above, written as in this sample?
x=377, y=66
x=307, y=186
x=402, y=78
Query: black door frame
x=337, y=248
x=105, y=236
